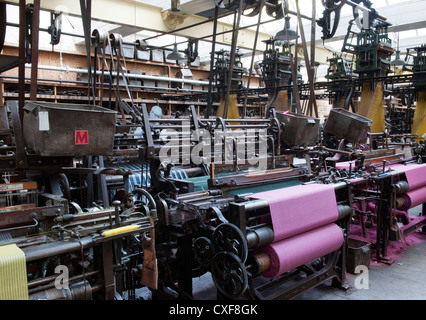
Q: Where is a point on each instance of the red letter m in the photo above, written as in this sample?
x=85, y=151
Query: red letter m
x=81, y=137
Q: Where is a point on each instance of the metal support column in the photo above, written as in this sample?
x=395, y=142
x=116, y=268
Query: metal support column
x=34, y=49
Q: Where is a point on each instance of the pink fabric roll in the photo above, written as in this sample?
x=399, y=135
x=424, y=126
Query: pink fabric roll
x=415, y=173
x=417, y=197
x=303, y=248
x=301, y=208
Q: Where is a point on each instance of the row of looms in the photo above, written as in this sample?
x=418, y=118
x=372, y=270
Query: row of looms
x=121, y=198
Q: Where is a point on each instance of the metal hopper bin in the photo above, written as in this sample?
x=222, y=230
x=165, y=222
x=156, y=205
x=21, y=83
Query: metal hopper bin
x=59, y=129
x=299, y=130
x=346, y=125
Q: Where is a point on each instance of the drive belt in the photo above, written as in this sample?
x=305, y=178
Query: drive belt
x=117, y=45
x=113, y=42
x=100, y=39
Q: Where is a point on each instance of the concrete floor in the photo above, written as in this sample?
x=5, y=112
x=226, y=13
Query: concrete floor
x=404, y=279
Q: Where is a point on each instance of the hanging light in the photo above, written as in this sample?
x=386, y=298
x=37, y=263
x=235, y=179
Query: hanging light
x=398, y=61
x=287, y=33
x=175, y=5
x=175, y=55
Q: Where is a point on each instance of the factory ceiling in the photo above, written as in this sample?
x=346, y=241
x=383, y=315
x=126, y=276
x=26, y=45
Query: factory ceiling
x=407, y=18
x=155, y=22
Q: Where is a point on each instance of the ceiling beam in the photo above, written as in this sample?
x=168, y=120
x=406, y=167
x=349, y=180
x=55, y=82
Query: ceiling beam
x=147, y=17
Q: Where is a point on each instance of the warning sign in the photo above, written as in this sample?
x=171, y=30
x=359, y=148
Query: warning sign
x=81, y=137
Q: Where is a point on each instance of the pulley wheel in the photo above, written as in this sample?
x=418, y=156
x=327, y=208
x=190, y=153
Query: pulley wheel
x=274, y=9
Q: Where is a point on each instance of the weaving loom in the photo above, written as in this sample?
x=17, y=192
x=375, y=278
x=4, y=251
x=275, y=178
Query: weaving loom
x=302, y=221
x=251, y=236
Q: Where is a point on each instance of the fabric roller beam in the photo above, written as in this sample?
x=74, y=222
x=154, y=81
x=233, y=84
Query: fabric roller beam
x=415, y=174
x=298, y=250
x=412, y=199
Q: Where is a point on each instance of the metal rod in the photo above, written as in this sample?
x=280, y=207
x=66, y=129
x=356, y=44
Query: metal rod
x=42, y=251
x=114, y=73
x=3, y=19
x=232, y=60
x=252, y=62
x=210, y=95
x=312, y=100
x=22, y=55
x=34, y=49
x=187, y=27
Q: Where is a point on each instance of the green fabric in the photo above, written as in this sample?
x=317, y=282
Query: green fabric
x=263, y=187
x=200, y=184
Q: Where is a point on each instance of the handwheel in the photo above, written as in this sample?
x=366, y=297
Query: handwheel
x=229, y=275
x=228, y=237
x=204, y=251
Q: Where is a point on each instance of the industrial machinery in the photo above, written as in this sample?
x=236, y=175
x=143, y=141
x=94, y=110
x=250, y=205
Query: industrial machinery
x=252, y=248
x=372, y=50
x=58, y=241
x=341, y=92
x=384, y=191
x=228, y=79
x=144, y=202
x=214, y=222
x=415, y=60
x=91, y=212
x=199, y=229
x=276, y=72
x=380, y=179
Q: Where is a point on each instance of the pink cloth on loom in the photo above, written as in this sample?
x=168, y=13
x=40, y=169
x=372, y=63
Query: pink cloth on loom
x=297, y=209
x=303, y=248
x=417, y=197
x=415, y=173
x=345, y=165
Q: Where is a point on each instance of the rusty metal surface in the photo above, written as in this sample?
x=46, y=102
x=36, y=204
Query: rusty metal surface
x=34, y=48
x=8, y=62
x=255, y=178
x=299, y=130
x=65, y=121
x=26, y=216
x=22, y=54
x=347, y=125
x=21, y=157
